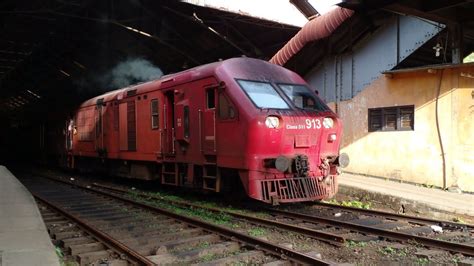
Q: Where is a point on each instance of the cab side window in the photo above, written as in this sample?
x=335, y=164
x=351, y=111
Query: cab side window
x=211, y=98
x=186, y=122
x=154, y=114
x=226, y=109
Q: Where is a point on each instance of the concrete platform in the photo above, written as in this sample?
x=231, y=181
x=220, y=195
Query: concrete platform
x=408, y=198
x=23, y=236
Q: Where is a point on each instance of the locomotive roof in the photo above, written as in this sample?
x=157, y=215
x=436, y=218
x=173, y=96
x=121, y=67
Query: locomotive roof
x=240, y=66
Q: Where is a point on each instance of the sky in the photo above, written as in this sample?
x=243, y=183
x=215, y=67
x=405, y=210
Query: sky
x=277, y=10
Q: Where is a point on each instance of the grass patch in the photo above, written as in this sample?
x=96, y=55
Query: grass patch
x=208, y=257
x=59, y=252
x=355, y=244
x=356, y=204
x=257, y=231
x=62, y=262
x=390, y=251
x=220, y=218
x=351, y=203
x=208, y=216
x=422, y=261
x=459, y=220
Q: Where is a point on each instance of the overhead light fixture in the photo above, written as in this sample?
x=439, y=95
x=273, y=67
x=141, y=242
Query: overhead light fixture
x=34, y=94
x=64, y=73
x=437, y=49
x=134, y=30
x=79, y=64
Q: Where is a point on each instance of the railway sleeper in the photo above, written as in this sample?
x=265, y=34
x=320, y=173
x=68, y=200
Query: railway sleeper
x=123, y=222
x=129, y=230
x=94, y=256
x=66, y=243
x=153, y=237
x=58, y=223
x=190, y=256
x=175, y=245
x=102, y=212
x=89, y=206
x=63, y=228
x=69, y=234
x=53, y=220
x=139, y=228
x=105, y=216
x=49, y=215
x=160, y=247
x=84, y=248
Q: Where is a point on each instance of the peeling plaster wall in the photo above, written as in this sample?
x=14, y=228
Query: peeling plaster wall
x=415, y=156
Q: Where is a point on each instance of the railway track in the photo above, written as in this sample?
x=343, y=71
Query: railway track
x=85, y=243
x=104, y=226
x=336, y=224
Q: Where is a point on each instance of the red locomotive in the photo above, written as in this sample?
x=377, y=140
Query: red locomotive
x=213, y=126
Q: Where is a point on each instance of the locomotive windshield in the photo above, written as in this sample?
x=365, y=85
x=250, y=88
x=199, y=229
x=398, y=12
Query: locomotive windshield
x=263, y=95
x=302, y=97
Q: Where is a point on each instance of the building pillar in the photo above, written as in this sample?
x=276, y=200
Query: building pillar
x=455, y=30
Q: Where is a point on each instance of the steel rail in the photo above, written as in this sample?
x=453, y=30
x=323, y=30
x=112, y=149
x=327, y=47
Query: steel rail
x=105, y=238
x=276, y=250
x=430, y=242
x=409, y=218
x=316, y=234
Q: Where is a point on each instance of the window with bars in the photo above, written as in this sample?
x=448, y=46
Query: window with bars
x=398, y=118
x=154, y=114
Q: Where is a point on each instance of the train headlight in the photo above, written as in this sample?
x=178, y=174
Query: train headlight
x=272, y=122
x=328, y=122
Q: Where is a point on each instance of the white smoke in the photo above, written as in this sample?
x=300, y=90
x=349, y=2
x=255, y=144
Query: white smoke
x=125, y=73
x=131, y=71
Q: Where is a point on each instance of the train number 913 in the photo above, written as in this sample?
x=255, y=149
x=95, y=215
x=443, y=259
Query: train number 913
x=313, y=123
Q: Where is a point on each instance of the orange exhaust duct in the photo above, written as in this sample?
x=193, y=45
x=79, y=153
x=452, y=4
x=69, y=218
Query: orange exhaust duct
x=318, y=28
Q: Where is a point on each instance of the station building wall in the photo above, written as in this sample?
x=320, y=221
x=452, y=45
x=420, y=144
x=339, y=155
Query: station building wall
x=415, y=155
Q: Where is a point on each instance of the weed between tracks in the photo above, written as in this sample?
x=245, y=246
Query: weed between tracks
x=215, y=218
x=352, y=203
x=422, y=261
x=257, y=231
x=218, y=218
x=355, y=244
x=63, y=261
x=389, y=251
